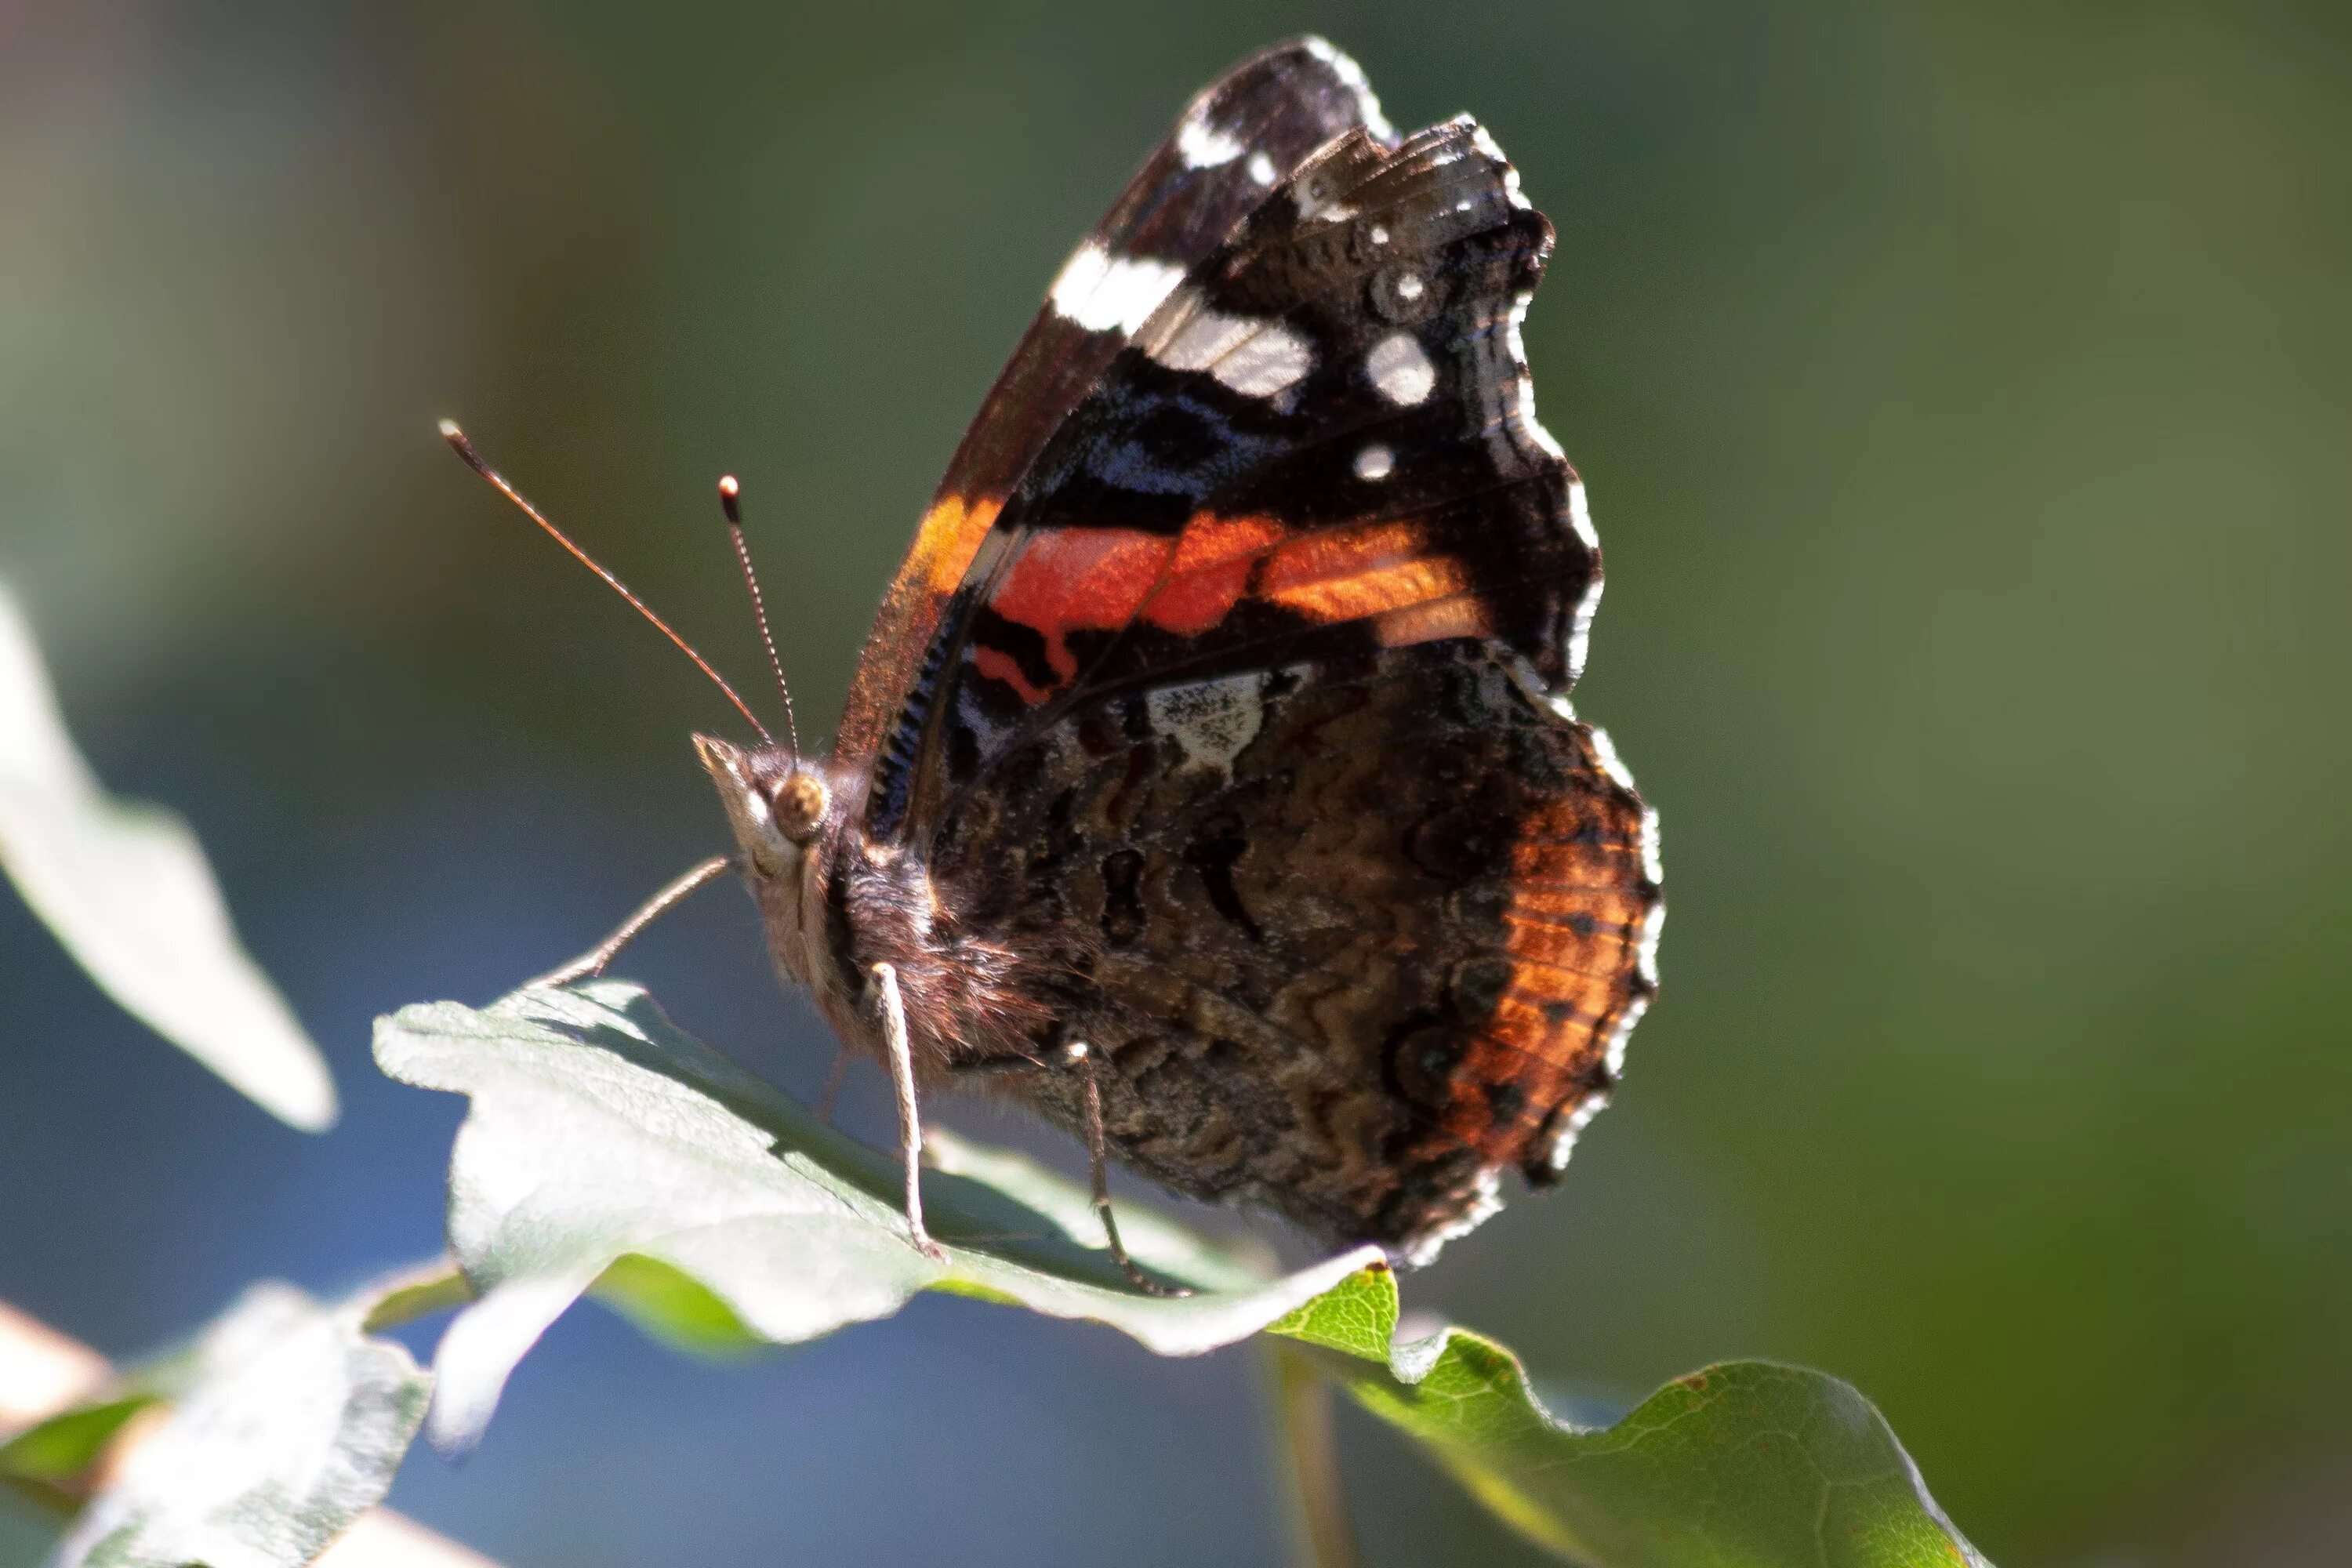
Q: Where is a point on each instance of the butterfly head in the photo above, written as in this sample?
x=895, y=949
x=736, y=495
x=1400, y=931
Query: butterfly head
x=776, y=802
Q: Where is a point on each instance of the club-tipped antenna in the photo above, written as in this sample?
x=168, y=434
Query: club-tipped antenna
x=730, y=501
x=465, y=449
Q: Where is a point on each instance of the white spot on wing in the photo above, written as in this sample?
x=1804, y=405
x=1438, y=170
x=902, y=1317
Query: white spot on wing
x=1203, y=145
x=1543, y=437
x=1622, y=1033
x=1604, y=752
x=1106, y=293
x=1190, y=336
x=1261, y=168
x=1579, y=516
x=1211, y=721
x=1352, y=76
x=1516, y=342
x=1580, y=627
x=1577, y=1121
x=1483, y=141
x=1269, y=361
x=1523, y=675
x=1316, y=205
x=1645, y=945
x=1256, y=356
x=1401, y=369
x=1486, y=1202
x=1374, y=462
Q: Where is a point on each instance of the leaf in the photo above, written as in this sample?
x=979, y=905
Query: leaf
x=66, y=1445
x=288, y=1423
x=606, y=1148
x=125, y=887
x=606, y=1151
x=1750, y=1464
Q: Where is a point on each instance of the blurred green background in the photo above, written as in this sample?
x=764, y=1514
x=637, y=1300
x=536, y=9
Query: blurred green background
x=1962, y=390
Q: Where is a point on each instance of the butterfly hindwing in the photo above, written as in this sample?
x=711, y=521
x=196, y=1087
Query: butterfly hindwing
x=1349, y=938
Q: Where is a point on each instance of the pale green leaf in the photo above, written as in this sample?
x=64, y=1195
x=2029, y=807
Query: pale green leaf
x=126, y=887
x=66, y=1444
x=606, y=1148
x=1745, y=1465
x=287, y=1422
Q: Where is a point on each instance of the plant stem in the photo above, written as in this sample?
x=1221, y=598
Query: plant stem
x=1302, y=1402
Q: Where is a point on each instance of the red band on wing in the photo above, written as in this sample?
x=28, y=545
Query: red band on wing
x=1069, y=580
x=1211, y=571
x=1102, y=579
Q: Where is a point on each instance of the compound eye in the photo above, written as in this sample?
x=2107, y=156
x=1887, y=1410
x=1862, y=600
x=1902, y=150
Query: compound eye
x=798, y=804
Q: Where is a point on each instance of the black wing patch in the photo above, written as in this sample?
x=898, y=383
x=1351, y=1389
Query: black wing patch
x=1246, y=133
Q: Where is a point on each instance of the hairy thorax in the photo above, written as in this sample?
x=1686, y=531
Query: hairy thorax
x=836, y=904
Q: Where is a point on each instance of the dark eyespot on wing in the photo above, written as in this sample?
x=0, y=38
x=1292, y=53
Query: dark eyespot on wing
x=1213, y=858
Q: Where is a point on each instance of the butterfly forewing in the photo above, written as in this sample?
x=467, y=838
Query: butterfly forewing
x=1241, y=136
x=1320, y=444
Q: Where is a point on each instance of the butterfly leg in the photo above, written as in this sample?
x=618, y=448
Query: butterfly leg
x=833, y=1082
x=1098, y=1164
x=593, y=963
x=910, y=1127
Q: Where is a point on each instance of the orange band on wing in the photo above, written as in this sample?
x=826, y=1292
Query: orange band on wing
x=1460, y=616
x=1351, y=572
x=1209, y=539
x=1569, y=930
x=947, y=540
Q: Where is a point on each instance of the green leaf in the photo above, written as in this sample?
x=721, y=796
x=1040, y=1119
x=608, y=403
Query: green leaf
x=126, y=888
x=69, y=1443
x=288, y=1423
x=1745, y=1465
x=606, y=1148
x=672, y=1307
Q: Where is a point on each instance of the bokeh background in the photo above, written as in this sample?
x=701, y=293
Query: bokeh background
x=1962, y=393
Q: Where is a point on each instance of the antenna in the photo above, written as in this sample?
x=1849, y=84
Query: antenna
x=730, y=501
x=465, y=449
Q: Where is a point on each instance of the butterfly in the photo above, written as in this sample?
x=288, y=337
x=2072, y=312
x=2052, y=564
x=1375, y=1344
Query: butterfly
x=1208, y=783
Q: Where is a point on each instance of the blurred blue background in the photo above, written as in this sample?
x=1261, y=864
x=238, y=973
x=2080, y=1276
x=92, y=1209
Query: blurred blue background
x=1961, y=391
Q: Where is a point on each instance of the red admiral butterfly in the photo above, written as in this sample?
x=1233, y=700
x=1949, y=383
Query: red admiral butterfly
x=1209, y=782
